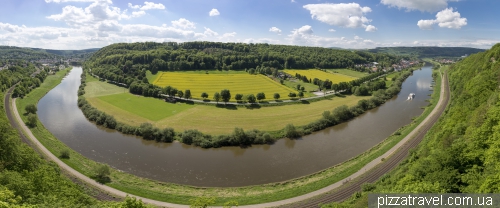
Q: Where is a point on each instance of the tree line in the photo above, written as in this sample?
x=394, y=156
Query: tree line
x=460, y=153
x=239, y=137
x=128, y=62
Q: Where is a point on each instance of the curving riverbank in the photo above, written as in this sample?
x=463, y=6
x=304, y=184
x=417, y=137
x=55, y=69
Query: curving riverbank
x=244, y=195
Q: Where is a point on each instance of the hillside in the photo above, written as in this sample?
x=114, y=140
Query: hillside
x=128, y=62
x=10, y=52
x=460, y=154
x=67, y=52
x=427, y=52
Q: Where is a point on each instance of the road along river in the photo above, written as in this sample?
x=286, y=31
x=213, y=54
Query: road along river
x=228, y=166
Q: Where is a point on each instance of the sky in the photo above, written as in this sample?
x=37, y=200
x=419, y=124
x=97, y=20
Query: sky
x=83, y=24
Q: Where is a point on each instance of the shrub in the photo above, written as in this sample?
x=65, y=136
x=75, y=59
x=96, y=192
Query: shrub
x=65, y=154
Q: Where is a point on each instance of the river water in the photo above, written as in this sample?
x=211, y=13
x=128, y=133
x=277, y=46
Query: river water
x=228, y=166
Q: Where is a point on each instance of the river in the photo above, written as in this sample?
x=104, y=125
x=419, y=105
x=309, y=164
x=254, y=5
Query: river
x=228, y=166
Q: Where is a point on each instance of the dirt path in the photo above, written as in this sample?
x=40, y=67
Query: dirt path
x=373, y=170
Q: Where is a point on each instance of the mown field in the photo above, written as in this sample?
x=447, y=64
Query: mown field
x=237, y=83
x=127, y=108
x=314, y=73
x=148, y=108
x=348, y=72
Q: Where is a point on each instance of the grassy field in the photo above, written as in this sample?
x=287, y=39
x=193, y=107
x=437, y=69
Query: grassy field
x=148, y=108
x=97, y=88
x=124, y=107
x=215, y=81
x=349, y=72
x=243, y=195
x=314, y=73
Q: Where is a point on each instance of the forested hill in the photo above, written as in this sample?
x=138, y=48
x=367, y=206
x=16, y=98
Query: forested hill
x=216, y=55
x=461, y=153
x=68, y=52
x=16, y=53
x=427, y=52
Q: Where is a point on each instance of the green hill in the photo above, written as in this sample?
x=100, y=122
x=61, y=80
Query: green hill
x=427, y=52
x=461, y=153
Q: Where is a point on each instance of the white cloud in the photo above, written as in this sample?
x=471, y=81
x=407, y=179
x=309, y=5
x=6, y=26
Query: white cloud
x=228, y=35
x=214, y=12
x=357, y=38
x=371, y=28
x=445, y=18
x=331, y=30
x=275, y=30
x=138, y=13
x=10, y=28
x=422, y=5
x=183, y=23
x=96, y=12
x=147, y=6
x=293, y=1
x=61, y=1
x=415, y=42
x=350, y=15
x=426, y=24
x=449, y=19
x=209, y=32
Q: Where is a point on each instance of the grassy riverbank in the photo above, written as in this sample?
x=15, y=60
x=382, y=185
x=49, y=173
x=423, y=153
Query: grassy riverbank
x=243, y=195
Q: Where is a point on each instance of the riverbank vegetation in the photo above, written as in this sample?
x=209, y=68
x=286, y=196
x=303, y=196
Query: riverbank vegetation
x=460, y=153
x=26, y=179
x=231, y=123
x=243, y=195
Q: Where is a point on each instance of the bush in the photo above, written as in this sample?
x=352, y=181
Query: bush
x=31, y=121
x=65, y=154
x=102, y=173
x=291, y=132
x=31, y=108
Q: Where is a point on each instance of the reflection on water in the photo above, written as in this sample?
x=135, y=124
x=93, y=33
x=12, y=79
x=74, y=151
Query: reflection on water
x=228, y=166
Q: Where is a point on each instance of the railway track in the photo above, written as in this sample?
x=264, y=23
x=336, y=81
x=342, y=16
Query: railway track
x=351, y=187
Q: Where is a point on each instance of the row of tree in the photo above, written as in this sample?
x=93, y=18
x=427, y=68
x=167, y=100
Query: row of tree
x=239, y=137
x=128, y=62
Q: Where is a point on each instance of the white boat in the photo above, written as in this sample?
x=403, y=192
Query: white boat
x=411, y=96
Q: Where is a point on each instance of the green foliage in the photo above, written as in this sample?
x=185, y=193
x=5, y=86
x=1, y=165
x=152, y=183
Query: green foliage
x=31, y=108
x=261, y=96
x=225, y=95
x=217, y=97
x=102, y=173
x=187, y=94
x=291, y=131
x=276, y=96
x=204, y=95
x=65, y=154
x=32, y=120
x=27, y=180
x=202, y=202
x=251, y=98
x=460, y=153
x=238, y=97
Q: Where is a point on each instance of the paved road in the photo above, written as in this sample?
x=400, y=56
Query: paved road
x=373, y=170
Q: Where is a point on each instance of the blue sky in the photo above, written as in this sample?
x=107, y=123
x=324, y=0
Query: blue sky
x=81, y=24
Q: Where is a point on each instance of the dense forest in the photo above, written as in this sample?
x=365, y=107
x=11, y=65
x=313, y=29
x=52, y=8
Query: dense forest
x=427, y=52
x=127, y=62
x=68, y=52
x=461, y=153
x=16, y=53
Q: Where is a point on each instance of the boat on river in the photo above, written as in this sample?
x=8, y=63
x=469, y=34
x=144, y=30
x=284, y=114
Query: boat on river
x=411, y=96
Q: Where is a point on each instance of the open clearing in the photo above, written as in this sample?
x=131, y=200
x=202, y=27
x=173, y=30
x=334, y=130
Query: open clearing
x=98, y=88
x=314, y=73
x=134, y=110
x=237, y=83
x=151, y=109
x=349, y=72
